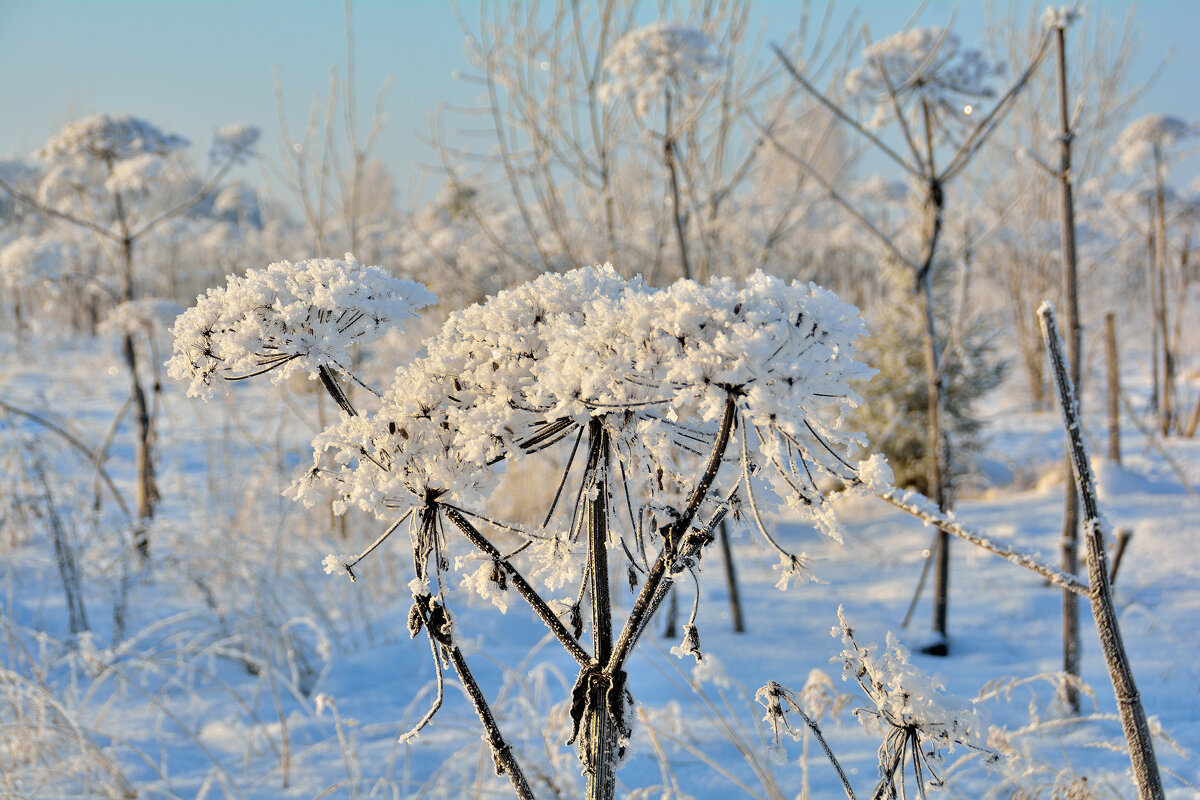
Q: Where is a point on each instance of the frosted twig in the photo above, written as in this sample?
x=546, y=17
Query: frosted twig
x=923, y=509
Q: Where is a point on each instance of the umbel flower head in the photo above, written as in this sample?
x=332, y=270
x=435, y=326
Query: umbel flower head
x=646, y=62
x=288, y=316
x=109, y=138
x=929, y=64
x=1142, y=138
x=536, y=364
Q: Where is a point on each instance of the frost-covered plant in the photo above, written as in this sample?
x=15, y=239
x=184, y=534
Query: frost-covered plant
x=1147, y=142
x=695, y=400
x=674, y=64
x=908, y=707
x=648, y=62
x=118, y=178
x=918, y=723
x=109, y=138
x=233, y=143
x=286, y=317
x=1147, y=139
x=925, y=65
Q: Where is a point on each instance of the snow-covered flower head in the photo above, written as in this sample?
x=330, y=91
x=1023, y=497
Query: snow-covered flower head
x=287, y=317
x=659, y=368
x=234, y=143
x=649, y=61
x=927, y=63
x=109, y=138
x=28, y=260
x=1151, y=134
x=1061, y=16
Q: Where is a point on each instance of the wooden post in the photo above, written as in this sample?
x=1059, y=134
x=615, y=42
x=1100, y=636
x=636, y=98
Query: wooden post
x=1070, y=528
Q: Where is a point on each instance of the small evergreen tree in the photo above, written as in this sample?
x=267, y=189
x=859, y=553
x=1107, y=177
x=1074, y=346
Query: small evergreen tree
x=894, y=416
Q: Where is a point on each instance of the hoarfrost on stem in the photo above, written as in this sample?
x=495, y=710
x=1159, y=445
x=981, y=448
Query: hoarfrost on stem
x=906, y=699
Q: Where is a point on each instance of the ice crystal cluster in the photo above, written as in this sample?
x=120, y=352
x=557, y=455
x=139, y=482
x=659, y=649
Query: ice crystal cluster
x=925, y=63
x=286, y=317
x=534, y=364
x=647, y=62
x=109, y=138
x=1138, y=143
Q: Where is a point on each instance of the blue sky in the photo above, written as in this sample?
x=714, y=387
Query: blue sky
x=191, y=65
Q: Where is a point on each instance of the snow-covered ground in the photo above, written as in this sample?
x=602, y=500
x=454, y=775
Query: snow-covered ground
x=242, y=670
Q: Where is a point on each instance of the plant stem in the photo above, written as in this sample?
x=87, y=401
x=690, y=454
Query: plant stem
x=1070, y=531
x=602, y=734
x=659, y=579
x=569, y=642
x=1129, y=702
x=506, y=762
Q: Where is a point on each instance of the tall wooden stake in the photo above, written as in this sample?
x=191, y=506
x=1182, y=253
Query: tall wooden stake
x=1070, y=529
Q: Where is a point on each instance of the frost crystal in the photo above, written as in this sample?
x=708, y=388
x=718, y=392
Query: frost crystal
x=287, y=317
x=649, y=61
x=109, y=138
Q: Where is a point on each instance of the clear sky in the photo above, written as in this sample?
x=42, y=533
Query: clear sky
x=191, y=65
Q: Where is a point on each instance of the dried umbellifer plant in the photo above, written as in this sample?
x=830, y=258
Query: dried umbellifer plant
x=675, y=407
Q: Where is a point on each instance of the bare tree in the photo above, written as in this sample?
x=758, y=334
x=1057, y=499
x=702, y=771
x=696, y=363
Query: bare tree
x=927, y=84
